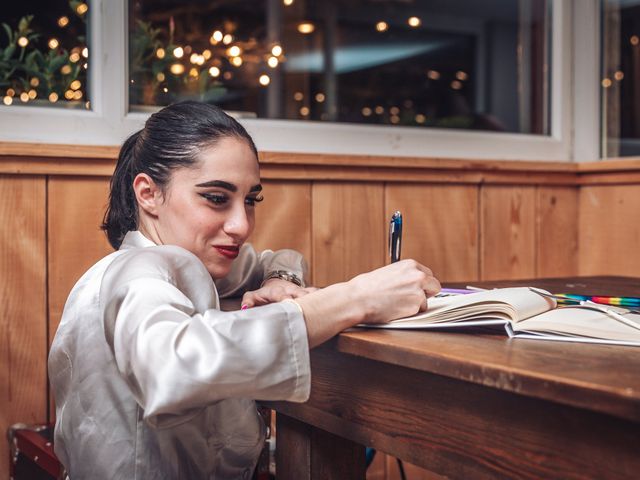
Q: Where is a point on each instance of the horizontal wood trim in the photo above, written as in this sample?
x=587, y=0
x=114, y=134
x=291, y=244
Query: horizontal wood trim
x=459, y=172
x=610, y=178
x=93, y=167
x=413, y=175
x=618, y=164
x=83, y=152
x=86, y=160
x=281, y=158
x=53, y=150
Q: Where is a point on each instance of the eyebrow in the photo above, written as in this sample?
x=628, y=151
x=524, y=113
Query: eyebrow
x=227, y=186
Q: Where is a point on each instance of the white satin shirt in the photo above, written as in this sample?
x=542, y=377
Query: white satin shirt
x=152, y=381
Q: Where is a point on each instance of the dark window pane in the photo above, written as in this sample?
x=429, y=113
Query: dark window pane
x=433, y=63
x=44, y=53
x=620, y=76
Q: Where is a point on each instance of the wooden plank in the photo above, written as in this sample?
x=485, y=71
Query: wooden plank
x=23, y=318
x=56, y=166
x=611, y=164
x=93, y=167
x=324, y=456
x=411, y=175
x=507, y=232
x=440, y=227
x=349, y=231
x=609, y=230
x=53, y=159
x=571, y=374
x=524, y=367
x=19, y=158
x=344, y=160
x=283, y=219
x=557, y=232
x=52, y=150
x=76, y=211
x=610, y=178
x=293, y=456
x=44, y=150
x=460, y=429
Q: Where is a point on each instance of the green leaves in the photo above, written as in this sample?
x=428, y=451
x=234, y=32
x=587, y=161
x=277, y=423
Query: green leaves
x=29, y=68
x=153, y=82
x=8, y=52
x=23, y=25
x=7, y=29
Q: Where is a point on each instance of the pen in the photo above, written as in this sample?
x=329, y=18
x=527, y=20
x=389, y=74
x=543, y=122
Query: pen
x=395, y=236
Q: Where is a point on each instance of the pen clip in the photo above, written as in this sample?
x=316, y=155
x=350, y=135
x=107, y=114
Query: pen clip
x=395, y=236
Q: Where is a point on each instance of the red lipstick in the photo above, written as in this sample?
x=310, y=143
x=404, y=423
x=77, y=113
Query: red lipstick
x=228, y=251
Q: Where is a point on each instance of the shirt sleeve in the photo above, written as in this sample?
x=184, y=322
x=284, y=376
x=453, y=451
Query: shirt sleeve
x=251, y=267
x=178, y=355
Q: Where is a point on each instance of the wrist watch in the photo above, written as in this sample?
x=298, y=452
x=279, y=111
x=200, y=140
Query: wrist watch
x=284, y=275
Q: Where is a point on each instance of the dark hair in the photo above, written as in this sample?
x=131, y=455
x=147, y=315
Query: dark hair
x=171, y=138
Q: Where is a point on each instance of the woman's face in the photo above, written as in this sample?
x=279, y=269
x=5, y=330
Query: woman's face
x=209, y=209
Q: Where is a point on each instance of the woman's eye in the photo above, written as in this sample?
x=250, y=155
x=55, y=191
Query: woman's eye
x=215, y=198
x=253, y=200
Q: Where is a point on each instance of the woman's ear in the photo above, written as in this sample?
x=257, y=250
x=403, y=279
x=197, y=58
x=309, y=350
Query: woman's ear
x=148, y=194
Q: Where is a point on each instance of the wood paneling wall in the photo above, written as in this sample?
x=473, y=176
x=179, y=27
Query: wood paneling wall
x=23, y=297
x=467, y=220
x=347, y=230
x=76, y=207
x=441, y=226
x=609, y=230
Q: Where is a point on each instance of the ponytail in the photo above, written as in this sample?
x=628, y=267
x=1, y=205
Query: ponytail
x=122, y=213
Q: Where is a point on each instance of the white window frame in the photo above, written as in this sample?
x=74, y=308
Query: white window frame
x=574, y=105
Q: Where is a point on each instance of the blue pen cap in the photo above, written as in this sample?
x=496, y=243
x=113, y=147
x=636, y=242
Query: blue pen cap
x=395, y=236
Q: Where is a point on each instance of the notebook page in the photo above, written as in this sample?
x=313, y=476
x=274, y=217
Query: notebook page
x=582, y=322
x=514, y=303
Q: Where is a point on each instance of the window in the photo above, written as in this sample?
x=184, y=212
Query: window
x=463, y=79
x=620, y=80
x=455, y=64
x=44, y=54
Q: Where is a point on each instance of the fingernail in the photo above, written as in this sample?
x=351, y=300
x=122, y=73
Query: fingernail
x=244, y=307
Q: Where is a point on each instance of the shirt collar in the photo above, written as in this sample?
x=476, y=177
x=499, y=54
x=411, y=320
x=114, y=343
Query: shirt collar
x=135, y=239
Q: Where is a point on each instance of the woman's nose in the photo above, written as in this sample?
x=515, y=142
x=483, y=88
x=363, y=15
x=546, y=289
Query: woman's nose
x=238, y=224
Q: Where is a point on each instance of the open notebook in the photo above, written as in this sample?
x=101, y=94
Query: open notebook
x=527, y=314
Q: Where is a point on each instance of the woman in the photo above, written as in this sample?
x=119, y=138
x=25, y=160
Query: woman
x=151, y=379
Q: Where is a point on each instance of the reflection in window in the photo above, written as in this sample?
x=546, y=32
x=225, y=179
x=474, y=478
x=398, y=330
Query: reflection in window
x=620, y=76
x=432, y=63
x=44, y=53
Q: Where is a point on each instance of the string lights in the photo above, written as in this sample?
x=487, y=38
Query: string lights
x=37, y=65
x=208, y=64
x=185, y=70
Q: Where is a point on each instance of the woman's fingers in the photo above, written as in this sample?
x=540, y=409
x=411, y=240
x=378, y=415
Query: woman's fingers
x=423, y=305
x=431, y=286
x=274, y=291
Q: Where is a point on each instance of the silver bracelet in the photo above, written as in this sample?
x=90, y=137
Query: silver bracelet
x=283, y=275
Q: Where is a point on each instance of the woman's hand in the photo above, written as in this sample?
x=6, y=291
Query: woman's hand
x=274, y=290
x=394, y=291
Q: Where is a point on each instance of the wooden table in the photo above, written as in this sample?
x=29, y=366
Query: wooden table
x=469, y=405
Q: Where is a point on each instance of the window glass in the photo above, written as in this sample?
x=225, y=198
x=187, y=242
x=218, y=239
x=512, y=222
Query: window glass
x=620, y=92
x=44, y=53
x=431, y=63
